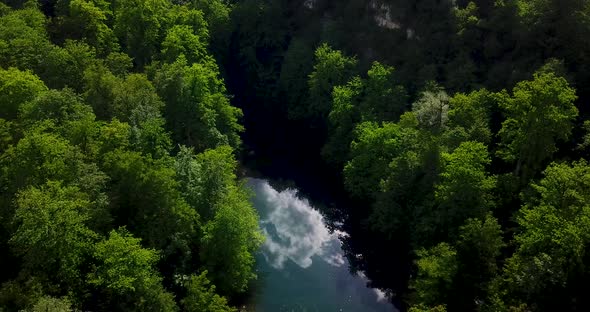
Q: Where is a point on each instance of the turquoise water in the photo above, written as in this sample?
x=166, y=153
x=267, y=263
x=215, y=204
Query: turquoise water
x=301, y=266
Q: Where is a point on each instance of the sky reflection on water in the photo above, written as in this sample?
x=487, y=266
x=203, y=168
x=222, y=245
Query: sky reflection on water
x=301, y=265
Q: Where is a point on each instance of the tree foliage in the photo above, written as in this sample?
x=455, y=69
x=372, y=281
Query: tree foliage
x=125, y=270
x=52, y=236
x=100, y=211
x=332, y=68
x=201, y=296
x=539, y=114
x=457, y=129
x=198, y=109
x=551, y=243
x=16, y=88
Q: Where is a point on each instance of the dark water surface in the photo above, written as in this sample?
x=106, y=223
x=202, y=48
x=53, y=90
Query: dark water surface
x=302, y=266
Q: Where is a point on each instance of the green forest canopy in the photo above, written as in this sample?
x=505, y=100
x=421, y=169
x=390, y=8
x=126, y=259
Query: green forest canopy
x=459, y=127
x=118, y=170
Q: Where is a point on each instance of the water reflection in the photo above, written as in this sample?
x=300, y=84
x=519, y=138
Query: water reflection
x=302, y=265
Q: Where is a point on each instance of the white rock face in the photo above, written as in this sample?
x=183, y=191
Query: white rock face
x=383, y=15
x=310, y=4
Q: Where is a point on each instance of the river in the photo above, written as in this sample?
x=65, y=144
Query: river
x=301, y=266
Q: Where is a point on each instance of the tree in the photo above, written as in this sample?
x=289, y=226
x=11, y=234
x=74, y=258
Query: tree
x=556, y=28
x=436, y=270
x=68, y=115
x=229, y=241
x=464, y=187
x=188, y=175
x=422, y=308
x=332, y=68
x=99, y=86
x=132, y=99
x=119, y=64
x=64, y=67
x=187, y=34
x=145, y=196
x=51, y=233
x=4, y=9
x=181, y=40
x=185, y=15
x=5, y=134
x=114, y=135
x=16, y=88
x=88, y=20
x=201, y=296
x=469, y=118
x=150, y=138
x=586, y=140
x=384, y=100
x=432, y=109
x=217, y=15
x=23, y=39
x=135, y=100
x=138, y=26
x=50, y=304
x=38, y=157
x=205, y=178
x=371, y=151
x=86, y=147
x=230, y=225
x=343, y=117
x=125, y=274
x=375, y=98
x=478, y=250
x=538, y=114
x=403, y=208
x=61, y=107
x=554, y=225
x=198, y=111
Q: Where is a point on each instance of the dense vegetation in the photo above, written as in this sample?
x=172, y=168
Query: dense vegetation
x=457, y=128
x=118, y=179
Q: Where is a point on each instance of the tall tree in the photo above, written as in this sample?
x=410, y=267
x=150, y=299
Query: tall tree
x=16, y=88
x=470, y=118
x=23, y=39
x=384, y=99
x=479, y=248
x=126, y=277
x=432, y=109
x=145, y=196
x=138, y=26
x=554, y=225
x=437, y=267
x=464, y=187
x=201, y=296
x=343, y=117
x=332, y=68
x=539, y=113
x=51, y=233
x=229, y=241
x=198, y=110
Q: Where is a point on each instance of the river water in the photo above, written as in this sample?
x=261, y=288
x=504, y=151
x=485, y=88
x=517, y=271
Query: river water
x=301, y=266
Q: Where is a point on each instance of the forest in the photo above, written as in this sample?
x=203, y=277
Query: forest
x=455, y=130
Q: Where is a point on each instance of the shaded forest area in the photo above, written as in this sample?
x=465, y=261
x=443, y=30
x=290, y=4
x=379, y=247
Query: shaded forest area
x=453, y=133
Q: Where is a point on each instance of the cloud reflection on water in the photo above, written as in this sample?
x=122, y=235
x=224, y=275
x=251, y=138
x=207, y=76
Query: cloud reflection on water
x=294, y=230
